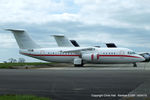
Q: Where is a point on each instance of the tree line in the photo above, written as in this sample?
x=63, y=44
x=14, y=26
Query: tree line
x=13, y=60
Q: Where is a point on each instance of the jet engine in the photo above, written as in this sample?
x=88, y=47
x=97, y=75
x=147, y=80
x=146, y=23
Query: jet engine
x=146, y=56
x=90, y=57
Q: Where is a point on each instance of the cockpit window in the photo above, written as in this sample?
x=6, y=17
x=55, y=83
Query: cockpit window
x=133, y=52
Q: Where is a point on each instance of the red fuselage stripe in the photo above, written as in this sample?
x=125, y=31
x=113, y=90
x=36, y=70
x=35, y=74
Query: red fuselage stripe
x=47, y=54
x=119, y=56
x=92, y=56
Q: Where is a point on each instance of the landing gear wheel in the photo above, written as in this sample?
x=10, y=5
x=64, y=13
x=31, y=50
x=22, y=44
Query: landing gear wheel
x=134, y=65
x=75, y=65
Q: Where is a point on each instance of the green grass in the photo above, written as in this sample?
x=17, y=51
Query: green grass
x=11, y=65
x=22, y=97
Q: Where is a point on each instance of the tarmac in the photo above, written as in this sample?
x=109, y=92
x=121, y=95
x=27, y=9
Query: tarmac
x=100, y=82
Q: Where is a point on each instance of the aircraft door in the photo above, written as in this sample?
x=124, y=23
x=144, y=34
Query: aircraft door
x=42, y=52
x=121, y=53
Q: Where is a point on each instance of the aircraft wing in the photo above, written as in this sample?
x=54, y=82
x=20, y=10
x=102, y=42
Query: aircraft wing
x=78, y=50
x=62, y=41
x=143, y=52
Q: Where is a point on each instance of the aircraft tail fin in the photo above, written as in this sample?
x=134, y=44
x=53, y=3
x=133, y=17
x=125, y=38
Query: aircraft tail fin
x=23, y=39
x=62, y=41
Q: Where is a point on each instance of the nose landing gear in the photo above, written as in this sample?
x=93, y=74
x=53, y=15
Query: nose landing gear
x=134, y=65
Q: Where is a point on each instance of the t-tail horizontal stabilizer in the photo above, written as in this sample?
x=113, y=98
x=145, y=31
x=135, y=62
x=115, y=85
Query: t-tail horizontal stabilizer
x=75, y=43
x=111, y=45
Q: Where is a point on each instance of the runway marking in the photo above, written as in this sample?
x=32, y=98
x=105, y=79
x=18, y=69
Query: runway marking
x=78, y=89
x=142, y=89
x=141, y=92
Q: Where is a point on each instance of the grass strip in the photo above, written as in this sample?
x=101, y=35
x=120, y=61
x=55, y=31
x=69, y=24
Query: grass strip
x=22, y=97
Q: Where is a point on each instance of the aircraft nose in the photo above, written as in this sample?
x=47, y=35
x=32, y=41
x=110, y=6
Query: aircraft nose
x=141, y=58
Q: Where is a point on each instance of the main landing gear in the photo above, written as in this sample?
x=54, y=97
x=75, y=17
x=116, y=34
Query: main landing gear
x=134, y=65
x=78, y=62
x=78, y=65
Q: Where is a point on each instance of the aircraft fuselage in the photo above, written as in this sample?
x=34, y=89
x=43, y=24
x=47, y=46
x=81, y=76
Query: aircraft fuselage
x=97, y=56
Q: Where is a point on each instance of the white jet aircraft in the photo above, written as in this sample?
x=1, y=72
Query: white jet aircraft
x=76, y=55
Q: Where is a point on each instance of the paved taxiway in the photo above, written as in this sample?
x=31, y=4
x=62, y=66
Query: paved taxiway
x=75, y=83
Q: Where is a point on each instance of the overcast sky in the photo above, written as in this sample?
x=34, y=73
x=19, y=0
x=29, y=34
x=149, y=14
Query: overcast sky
x=90, y=22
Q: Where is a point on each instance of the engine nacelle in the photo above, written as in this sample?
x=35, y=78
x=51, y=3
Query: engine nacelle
x=89, y=57
x=146, y=56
